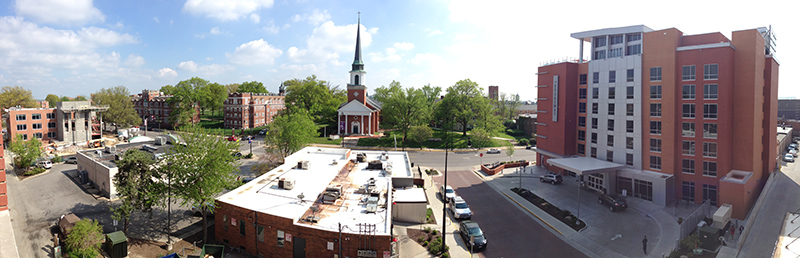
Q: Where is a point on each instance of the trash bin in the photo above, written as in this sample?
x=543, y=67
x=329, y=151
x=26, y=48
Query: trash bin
x=117, y=244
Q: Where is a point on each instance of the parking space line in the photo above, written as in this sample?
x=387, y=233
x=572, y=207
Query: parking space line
x=529, y=211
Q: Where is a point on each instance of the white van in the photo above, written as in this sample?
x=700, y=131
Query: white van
x=46, y=164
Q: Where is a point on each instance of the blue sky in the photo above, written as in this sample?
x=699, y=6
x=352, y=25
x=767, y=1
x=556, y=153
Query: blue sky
x=76, y=47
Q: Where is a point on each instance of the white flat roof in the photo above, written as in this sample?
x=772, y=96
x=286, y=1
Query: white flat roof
x=411, y=195
x=584, y=165
x=263, y=194
x=588, y=35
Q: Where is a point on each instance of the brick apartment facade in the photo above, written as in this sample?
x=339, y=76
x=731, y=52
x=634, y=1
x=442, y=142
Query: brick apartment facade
x=662, y=105
x=39, y=123
x=75, y=122
x=245, y=110
x=153, y=105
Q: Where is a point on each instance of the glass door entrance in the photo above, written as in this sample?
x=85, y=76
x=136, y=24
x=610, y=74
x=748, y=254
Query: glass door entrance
x=595, y=181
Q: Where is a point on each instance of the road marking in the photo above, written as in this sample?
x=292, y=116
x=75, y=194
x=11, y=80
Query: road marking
x=616, y=236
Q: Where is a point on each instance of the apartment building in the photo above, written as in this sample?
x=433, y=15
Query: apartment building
x=245, y=110
x=154, y=108
x=654, y=114
x=789, y=109
x=39, y=123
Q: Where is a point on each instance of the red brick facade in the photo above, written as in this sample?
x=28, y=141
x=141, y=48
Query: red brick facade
x=3, y=188
x=32, y=123
x=245, y=110
x=154, y=106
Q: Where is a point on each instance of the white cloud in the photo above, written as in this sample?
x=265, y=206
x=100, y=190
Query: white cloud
x=167, y=73
x=134, y=60
x=156, y=20
x=404, y=45
x=255, y=52
x=204, y=70
x=432, y=32
x=328, y=40
x=464, y=37
x=390, y=54
x=315, y=18
x=215, y=31
x=255, y=18
x=271, y=28
x=225, y=10
x=73, y=12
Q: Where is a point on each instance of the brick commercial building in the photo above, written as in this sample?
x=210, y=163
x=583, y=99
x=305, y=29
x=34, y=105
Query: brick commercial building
x=3, y=185
x=154, y=107
x=322, y=202
x=789, y=109
x=654, y=114
x=245, y=110
x=73, y=122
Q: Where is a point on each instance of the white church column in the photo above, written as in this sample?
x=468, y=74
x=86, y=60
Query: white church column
x=362, y=124
x=339, y=123
x=370, y=123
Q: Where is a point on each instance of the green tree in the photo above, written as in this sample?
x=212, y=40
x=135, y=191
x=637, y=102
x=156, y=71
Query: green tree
x=406, y=107
x=231, y=88
x=485, y=115
x=85, y=239
x=65, y=99
x=509, y=150
x=200, y=169
x=217, y=96
x=25, y=151
x=137, y=185
x=120, y=108
x=167, y=89
x=16, y=96
x=253, y=87
x=506, y=106
x=290, y=132
x=420, y=133
x=317, y=96
x=186, y=96
x=461, y=104
x=52, y=99
x=80, y=98
x=480, y=138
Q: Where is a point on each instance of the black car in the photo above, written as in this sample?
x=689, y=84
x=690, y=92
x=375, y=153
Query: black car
x=551, y=178
x=613, y=201
x=472, y=235
x=237, y=155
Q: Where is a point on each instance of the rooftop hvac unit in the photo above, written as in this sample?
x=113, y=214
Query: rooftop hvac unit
x=161, y=140
x=286, y=183
x=361, y=157
x=111, y=149
x=302, y=164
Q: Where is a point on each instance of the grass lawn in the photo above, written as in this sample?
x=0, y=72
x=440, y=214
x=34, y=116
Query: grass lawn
x=325, y=140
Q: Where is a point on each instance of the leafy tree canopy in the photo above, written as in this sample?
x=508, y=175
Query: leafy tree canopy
x=26, y=151
x=407, y=107
x=16, y=96
x=186, y=96
x=137, y=185
x=85, y=239
x=52, y=99
x=120, y=108
x=317, y=96
x=460, y=104
x=254, y=87
x=420, y=134
x=290, y=132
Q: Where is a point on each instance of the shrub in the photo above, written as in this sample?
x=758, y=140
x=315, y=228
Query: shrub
x=689, y=242
x=57, y=159
x=524, y=142
x=421, y=239
x=427, y=229
x=434, y=232
x=249, y=155
x=35, y=171
x=445, y=255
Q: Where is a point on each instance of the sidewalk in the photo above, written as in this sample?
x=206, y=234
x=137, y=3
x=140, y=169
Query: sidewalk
x=608, y=234
x=8, y=244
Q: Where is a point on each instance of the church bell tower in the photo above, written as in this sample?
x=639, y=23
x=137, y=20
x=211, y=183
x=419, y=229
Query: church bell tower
x=356, y=89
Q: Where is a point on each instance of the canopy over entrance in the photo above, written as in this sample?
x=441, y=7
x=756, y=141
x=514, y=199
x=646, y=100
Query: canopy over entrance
x=584, y=165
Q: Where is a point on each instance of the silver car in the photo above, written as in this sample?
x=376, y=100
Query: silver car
x=460, y=208
x=447, y=193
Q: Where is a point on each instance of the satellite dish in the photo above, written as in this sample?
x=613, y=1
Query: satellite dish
x=301, y=196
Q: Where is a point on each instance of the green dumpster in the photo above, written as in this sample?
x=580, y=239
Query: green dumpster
x=215, y=251
x=116, y=244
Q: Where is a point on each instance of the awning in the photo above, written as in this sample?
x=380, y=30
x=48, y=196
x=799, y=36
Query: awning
x=585, y=165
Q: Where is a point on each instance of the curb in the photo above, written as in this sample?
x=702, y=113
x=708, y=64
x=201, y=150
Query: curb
x=529, y=211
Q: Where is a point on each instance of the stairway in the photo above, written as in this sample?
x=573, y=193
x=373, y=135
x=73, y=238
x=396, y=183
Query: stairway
x=349, y=142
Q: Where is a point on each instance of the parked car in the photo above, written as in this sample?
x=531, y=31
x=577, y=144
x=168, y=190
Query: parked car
x=472, y=235
x=46, y=164
x=493, y=151
x=262, y=132
x=788, y=157
x=528, y=147
x=793, y=152
x=791, y=148
x=71, y=160
x=460, y=208
x=613, y=201
x=447, y=192
x=237, y=155
x=551, y=178
x=233, y=138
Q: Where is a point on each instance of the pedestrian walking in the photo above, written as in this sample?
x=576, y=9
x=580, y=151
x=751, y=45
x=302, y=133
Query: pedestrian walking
x=644, y=244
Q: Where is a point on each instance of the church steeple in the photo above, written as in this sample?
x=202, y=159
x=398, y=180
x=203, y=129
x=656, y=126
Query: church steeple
x=358, y=65
x=356, y=89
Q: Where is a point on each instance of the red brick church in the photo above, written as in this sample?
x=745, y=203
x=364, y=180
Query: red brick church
x=360, y=115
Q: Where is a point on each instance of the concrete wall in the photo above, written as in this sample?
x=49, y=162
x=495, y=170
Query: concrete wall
x=99, y=174
x=410, y=212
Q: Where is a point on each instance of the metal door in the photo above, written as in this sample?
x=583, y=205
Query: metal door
x=299, y=248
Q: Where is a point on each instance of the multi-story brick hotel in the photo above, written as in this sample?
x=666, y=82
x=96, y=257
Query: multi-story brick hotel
x=664, y=116
x=245, y=110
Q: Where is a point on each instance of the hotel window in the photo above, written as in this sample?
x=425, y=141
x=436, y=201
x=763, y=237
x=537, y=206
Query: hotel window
x=629, y=109
x=612, y=92
x=629, y=159
x=616, y=39
x=582, y=93
x=36, y=116
x=22, y=127
x=581, y=149
x=655, y=74
x=655, y=109
x=710, y=91
x=687, y=166
x=634, y=49
x=599, y=41
x=599, y=54
x=688, y=91
x=280, y=238
x=582, y=121
x=596, y=77
x=610, y=140
x=611, y=124
x=710, y=131
x=36, y=126
x=21, y=117
x=594, y=137
x=710, y=111
x=615, y=52
x=629, y=143
x=594, y=108
x=687, y=148
x=709, y=168
x=710, y=193
x=611, y=108
x=612, y=76
x=655, y=145
x=655, y=162
x=688, y=129
x=710, y=149
x=629, y=75
x=595, y=92
x=634, y=37
x=581, y=135
x=581, y=107
x=594, y=123
x=582, y=79
x=710, y=72
x=688, y=72
x=655, y=127
x=593, y=152
x=655, y=92
x=629, y=126
x=610, y=156
x=629, y=91
x=688, y=110
x=688, y=191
